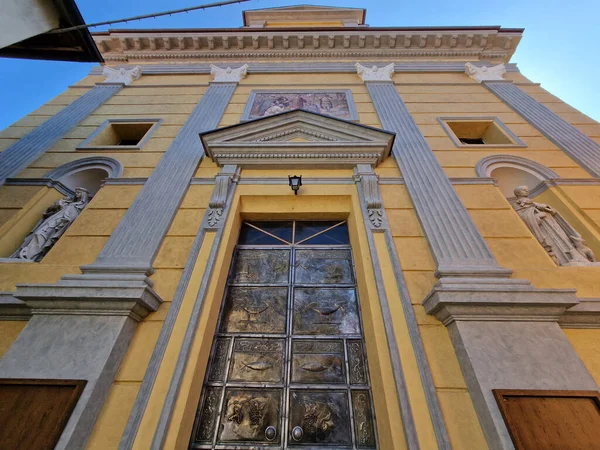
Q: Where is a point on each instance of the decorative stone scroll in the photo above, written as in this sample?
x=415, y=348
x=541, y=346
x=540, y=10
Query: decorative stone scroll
x=370, y=186
x=561, y=241
x=228, y=75
x=122, y=75
x=485, y=73
x=219, y=195
x=375, y=73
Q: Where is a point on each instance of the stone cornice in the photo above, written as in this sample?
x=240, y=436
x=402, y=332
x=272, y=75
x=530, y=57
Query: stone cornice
x=497, y=300
x=297, y=67
x=12, y=308
x=121, y=295
x=586, y=314
x=477, y=43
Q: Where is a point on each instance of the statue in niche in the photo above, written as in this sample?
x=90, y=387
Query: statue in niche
x=562, y=242
x=55, y=221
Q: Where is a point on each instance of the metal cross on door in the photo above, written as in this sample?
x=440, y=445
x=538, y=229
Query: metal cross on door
x=288, y=366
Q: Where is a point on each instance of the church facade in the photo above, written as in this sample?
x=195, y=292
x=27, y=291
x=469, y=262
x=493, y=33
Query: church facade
x=305, y=232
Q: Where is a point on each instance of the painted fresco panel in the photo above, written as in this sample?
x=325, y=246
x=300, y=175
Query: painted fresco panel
x=335, y=103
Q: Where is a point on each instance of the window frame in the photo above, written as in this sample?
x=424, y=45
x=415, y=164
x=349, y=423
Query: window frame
x=85, y=144
x=515, y=141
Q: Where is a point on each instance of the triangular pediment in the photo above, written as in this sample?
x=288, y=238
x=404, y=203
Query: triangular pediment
x=297, y=138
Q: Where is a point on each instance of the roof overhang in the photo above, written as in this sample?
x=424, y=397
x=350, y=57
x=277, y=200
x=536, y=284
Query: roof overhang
x=491, y=43
x=298, y=139
x=76, y=45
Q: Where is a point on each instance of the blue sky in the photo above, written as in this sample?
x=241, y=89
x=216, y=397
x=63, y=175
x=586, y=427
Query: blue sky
x=559, y=48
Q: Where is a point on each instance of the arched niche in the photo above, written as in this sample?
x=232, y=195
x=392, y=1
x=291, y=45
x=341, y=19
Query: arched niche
x=512, y=171
x=88, y=173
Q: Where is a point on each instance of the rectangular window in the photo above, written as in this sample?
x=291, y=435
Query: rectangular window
x=120, y=134
x=551, y=419
x=479, y=131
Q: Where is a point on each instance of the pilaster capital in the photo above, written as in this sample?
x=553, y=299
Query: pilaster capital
x=123, y=76
x=229, y=174
x=485, y=73
x=369, y=182
x=375, y=73
x=228, y=75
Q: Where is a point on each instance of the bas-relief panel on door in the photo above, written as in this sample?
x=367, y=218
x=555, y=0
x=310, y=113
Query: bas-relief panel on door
x=288, y=367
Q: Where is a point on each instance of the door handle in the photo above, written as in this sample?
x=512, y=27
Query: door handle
x=270, y=433
x=297, y=433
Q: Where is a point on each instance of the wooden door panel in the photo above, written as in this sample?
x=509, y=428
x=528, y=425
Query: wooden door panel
x=561, y=420
x=33, y=413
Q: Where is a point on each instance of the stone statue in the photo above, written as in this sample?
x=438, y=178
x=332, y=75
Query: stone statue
x=55, y=221
x=562, y=242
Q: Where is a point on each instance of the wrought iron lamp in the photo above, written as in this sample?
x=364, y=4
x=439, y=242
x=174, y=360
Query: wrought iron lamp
x=295, y=183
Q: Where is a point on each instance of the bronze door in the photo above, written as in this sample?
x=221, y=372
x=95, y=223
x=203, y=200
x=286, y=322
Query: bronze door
x=288, y=367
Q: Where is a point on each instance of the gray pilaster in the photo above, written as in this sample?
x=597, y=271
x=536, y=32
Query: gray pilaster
x=31, y=146
x=573, y=142
x=507, y=337
x=456, y=244
x=221, y=199
x=376, y=221
x=137, y=238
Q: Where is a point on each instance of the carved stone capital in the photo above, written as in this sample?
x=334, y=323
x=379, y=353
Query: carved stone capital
x=217, y=201
x=124, y=76
x=375, y=73
x=484, y=73
x=228, y=75
x=369, y=182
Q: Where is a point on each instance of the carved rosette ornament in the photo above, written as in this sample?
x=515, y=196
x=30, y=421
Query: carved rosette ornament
x=219, y=195
x=561, y=241
x=485, y=73
x=125, y=76
x=370, y=186
x=228, y=75
x=375, y=73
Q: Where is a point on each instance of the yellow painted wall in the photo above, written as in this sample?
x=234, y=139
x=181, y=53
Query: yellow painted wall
x=171, y=104
x=168, y=265
x=418, y=267
x=435, y=97
x=427, y=96
x=9, y=331
x=587, y=344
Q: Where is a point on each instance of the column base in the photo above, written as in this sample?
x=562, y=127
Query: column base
x=80, y=329
x=506, y=335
